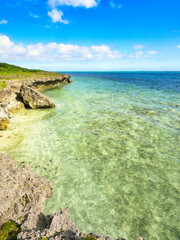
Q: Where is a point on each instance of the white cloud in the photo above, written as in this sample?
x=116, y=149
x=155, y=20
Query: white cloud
x=115, y=5
x=139, y=46
x=54, y=52
x=56, y=16
x=74, y=3
x=134, y=56
x=152, y=52
x=34, y=15
x=178, y=46
x=5, y=42
x=3, y=21
x=141, y=54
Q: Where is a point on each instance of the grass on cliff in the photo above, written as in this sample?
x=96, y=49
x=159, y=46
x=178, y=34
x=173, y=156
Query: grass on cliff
x=9, y=231
x=9, y=72
x=3, y=84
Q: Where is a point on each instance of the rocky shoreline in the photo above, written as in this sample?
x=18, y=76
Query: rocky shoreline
x=22, y=193
x=22, y=93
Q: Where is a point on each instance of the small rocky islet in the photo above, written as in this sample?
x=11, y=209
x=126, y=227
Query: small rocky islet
x=22, y=193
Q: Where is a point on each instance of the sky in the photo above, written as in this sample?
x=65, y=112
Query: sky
x=91, y=35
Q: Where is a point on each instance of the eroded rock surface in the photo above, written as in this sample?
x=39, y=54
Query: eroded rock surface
x=9, y=100
x=54, y=226
x=21, y=191
x=34, y=99
x=4, y=119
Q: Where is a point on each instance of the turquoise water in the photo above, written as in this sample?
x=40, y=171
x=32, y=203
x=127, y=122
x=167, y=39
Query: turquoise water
x=111, y=149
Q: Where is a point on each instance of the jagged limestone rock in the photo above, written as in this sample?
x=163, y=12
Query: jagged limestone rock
x=49, y=226
x=21, y=191
x=9, y=101
x=34, y=99
x=4, y=119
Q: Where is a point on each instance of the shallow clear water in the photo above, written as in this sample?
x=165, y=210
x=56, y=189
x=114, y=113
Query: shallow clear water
x=111, y=150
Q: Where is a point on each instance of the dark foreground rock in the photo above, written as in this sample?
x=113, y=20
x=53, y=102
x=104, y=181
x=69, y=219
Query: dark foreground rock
x=56, y=226
x=34, y=99
x=21, y=191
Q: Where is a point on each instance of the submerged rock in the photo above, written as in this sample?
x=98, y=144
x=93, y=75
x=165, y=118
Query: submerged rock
x=21, y=191
x=34, y=99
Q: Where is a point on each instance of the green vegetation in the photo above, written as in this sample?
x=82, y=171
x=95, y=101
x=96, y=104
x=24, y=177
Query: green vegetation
x=3, y=84
x=4, y=67
x=20, y=218
x=89, y=237
x=43, y=238
x=9, y=231
x=8, y=72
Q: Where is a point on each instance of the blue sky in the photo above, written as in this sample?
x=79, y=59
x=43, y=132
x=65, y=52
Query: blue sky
x=80, y=35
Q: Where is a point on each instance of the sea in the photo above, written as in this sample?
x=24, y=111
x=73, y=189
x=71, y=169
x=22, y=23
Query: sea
x=111, y=148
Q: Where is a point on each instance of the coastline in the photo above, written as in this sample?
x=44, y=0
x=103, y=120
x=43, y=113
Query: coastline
x=12, y=97
x=30, y=218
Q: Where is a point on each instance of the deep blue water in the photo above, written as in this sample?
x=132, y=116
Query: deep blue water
x=154, y=80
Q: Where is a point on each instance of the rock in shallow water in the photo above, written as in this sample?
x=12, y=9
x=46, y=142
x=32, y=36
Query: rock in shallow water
x=34, y=99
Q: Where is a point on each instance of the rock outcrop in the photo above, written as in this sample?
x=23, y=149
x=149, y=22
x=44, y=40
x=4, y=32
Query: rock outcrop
x=21, y=191
x=8, y=104
x=39, y=83
x=21, y=93
x=43, y=83
x=34, y=99
x=4, y=119
x=9, y=100
x=56, y=226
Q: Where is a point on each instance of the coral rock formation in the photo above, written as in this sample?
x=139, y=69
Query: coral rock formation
x=21, y=191
x=4, y=119
x=34, y=99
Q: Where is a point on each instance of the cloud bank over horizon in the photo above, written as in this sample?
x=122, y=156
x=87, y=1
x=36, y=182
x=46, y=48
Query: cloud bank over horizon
x=58, y=52
x=54, y=51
